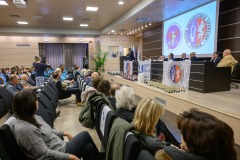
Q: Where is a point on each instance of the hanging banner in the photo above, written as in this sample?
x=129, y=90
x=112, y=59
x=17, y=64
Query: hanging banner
x=176, y=73
x=128, y=69
x=144, y=70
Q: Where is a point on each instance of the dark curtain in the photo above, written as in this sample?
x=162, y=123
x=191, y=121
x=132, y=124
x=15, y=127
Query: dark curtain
x=63, y=53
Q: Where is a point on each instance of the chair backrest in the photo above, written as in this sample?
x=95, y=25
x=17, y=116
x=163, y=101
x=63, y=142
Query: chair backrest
x=76, y=76
x=84, y=86
x=6, y=96
x=81, y=84
x=9, y=142
x=3, y=108
x=50, y=96
x=45, y=114
x=3, y=154
x=106, y=119
x=132, y=147
x=236, y=72
x=145, y=155
x=53, y=85
x=48, y=105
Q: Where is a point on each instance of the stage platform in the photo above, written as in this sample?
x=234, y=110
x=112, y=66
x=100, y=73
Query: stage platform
x=224, y=105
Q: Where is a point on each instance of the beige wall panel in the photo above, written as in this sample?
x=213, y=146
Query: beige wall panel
x=19, y=51
x=112, y=64
x=14, y=45
x=176, y=104
x=12, y=55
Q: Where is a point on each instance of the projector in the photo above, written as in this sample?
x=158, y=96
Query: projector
x=20, y=3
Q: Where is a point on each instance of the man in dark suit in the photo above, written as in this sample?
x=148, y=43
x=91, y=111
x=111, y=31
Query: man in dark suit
x=216, y=58
x=183, y=57
x=130, y=54
x=193, y=56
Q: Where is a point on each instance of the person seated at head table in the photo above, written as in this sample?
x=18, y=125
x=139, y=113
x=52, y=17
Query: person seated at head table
x=148, y=58
x=228, y=60
x=171, y=57
x=215, y=58
x=193, y=56
x=161, y=58
x=183, y=57
x=204, y=137
x=37, y=140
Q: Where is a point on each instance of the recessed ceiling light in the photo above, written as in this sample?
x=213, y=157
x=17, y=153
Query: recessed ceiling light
x=3, y=3
x=112, y=31
x=22, y=22
x=46, y=40
x=80, y=40
x=92, y=8
x=67, y=18
x=84, y=25
x=121, y=2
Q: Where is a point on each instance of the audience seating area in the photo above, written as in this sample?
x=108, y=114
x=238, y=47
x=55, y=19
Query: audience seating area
x=47, y=103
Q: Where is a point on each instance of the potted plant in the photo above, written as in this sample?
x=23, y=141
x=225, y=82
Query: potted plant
x=99, y=60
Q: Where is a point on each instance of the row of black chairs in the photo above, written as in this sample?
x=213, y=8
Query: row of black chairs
x=132, y=146
x=6, y=100
x=47, y=103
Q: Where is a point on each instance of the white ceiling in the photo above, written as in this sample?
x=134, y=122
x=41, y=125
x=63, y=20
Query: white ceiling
x=110, y=15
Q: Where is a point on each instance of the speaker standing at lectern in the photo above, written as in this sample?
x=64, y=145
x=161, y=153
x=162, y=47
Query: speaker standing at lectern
x=130, y=54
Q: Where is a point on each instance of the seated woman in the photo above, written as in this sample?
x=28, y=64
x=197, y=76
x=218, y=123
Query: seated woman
x=146, y=117
x=37, y=140
x=124, y=103
x=204, y=137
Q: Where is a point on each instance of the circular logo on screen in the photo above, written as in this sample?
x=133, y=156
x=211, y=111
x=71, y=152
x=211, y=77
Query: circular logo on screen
x=175, y=73
x=173, y=36
x=198, y=31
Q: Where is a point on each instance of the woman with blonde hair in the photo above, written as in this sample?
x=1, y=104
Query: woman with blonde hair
x=146, y=117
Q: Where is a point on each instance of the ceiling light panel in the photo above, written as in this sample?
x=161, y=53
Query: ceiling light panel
x=92, y=8
x=84, y=25
x=22, y=22
x=67, y=18
x=121, y=2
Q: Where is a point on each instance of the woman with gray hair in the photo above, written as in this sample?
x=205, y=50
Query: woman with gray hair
x=124, y=103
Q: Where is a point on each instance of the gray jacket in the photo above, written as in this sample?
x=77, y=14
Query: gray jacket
x=13, y=89
x=39, y=143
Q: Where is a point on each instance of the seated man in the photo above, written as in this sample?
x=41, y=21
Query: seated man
x=93, y=76
x=161, y=58
x=171, y=57
x=13, y=85
x=193, y=56
x=24, y=82
x=64, y=90
x=87, y=76
x=228, y=60
x=215, y=58
x=112, y=99
x=183, y=57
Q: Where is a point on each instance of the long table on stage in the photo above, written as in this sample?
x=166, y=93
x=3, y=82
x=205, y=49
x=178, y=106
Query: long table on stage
x=224, y=105
x=204, y=76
